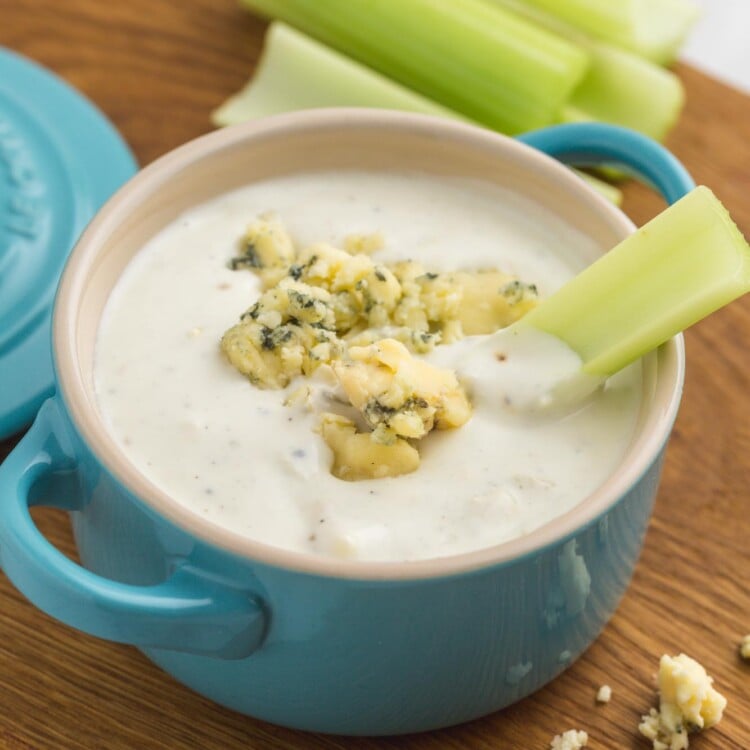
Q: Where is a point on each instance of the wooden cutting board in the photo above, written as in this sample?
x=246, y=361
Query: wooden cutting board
x=157, y=69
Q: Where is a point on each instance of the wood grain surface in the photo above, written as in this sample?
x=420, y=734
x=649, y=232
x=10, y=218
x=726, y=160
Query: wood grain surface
x=157, y=68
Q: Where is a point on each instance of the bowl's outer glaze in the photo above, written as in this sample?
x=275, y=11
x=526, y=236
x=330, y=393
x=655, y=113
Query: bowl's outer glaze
x=380, y=657
x=302, y=645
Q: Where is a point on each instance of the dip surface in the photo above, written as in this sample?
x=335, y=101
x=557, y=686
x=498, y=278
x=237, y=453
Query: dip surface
x=235, y=455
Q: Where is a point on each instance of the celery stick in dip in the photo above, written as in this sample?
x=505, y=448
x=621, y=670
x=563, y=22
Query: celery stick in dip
x=684, y=264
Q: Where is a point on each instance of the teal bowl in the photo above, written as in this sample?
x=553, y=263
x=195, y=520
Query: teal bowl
x=310, y=642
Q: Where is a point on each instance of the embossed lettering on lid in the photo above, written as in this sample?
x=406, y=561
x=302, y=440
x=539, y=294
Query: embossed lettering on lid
x=60, y=159
x=37, y=215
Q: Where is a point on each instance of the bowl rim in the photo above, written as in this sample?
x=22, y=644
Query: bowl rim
x=89, y=426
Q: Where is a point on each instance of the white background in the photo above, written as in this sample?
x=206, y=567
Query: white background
x=720, y=41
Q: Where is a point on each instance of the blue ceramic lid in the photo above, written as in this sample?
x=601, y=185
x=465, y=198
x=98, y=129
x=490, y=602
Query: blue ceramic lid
x=60, y=159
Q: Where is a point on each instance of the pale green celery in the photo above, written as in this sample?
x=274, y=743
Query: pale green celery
x=619, y=87
x=626, y=90
x=468, y=55
x=296, y=72
x=677, y=269
x=654, y=29
x=610, y=192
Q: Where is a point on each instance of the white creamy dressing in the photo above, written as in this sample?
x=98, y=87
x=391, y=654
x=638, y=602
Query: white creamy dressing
x=238, y=457
x=520, y=370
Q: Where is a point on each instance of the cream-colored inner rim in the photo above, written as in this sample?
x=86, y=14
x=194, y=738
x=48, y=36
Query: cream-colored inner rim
x=326, y=140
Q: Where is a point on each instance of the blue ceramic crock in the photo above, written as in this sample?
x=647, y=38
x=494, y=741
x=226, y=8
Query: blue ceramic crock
x=313, y=643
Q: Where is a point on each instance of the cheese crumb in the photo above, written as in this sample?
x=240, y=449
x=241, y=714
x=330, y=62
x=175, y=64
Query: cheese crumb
x=400, y=398
x=745, y=647
x=289, y=331
x=356, y=456
x=266, y=248
x=356, y=244
x=400, y=395
x=687, y=702
x=573, y=739
x=604, y=695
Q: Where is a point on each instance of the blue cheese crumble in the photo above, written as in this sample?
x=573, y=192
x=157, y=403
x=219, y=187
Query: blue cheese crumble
x=688, y=702
x=340, y=308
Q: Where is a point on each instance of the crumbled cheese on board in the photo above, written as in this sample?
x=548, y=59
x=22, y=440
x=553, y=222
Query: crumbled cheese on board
x=688, y=702
x=573, y=739
x=325, y=306
x=745, y=647
x=604, y=695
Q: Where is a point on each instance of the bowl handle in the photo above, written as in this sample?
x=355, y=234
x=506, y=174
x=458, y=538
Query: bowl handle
x=596, y=144
x=188, y=612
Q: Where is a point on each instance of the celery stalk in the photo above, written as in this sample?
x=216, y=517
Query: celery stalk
x=610, y=192
x=296, y=72
x=654, y=29
x=468, y=55
x=626, y=90
x=684, y=264
x=619, y=87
